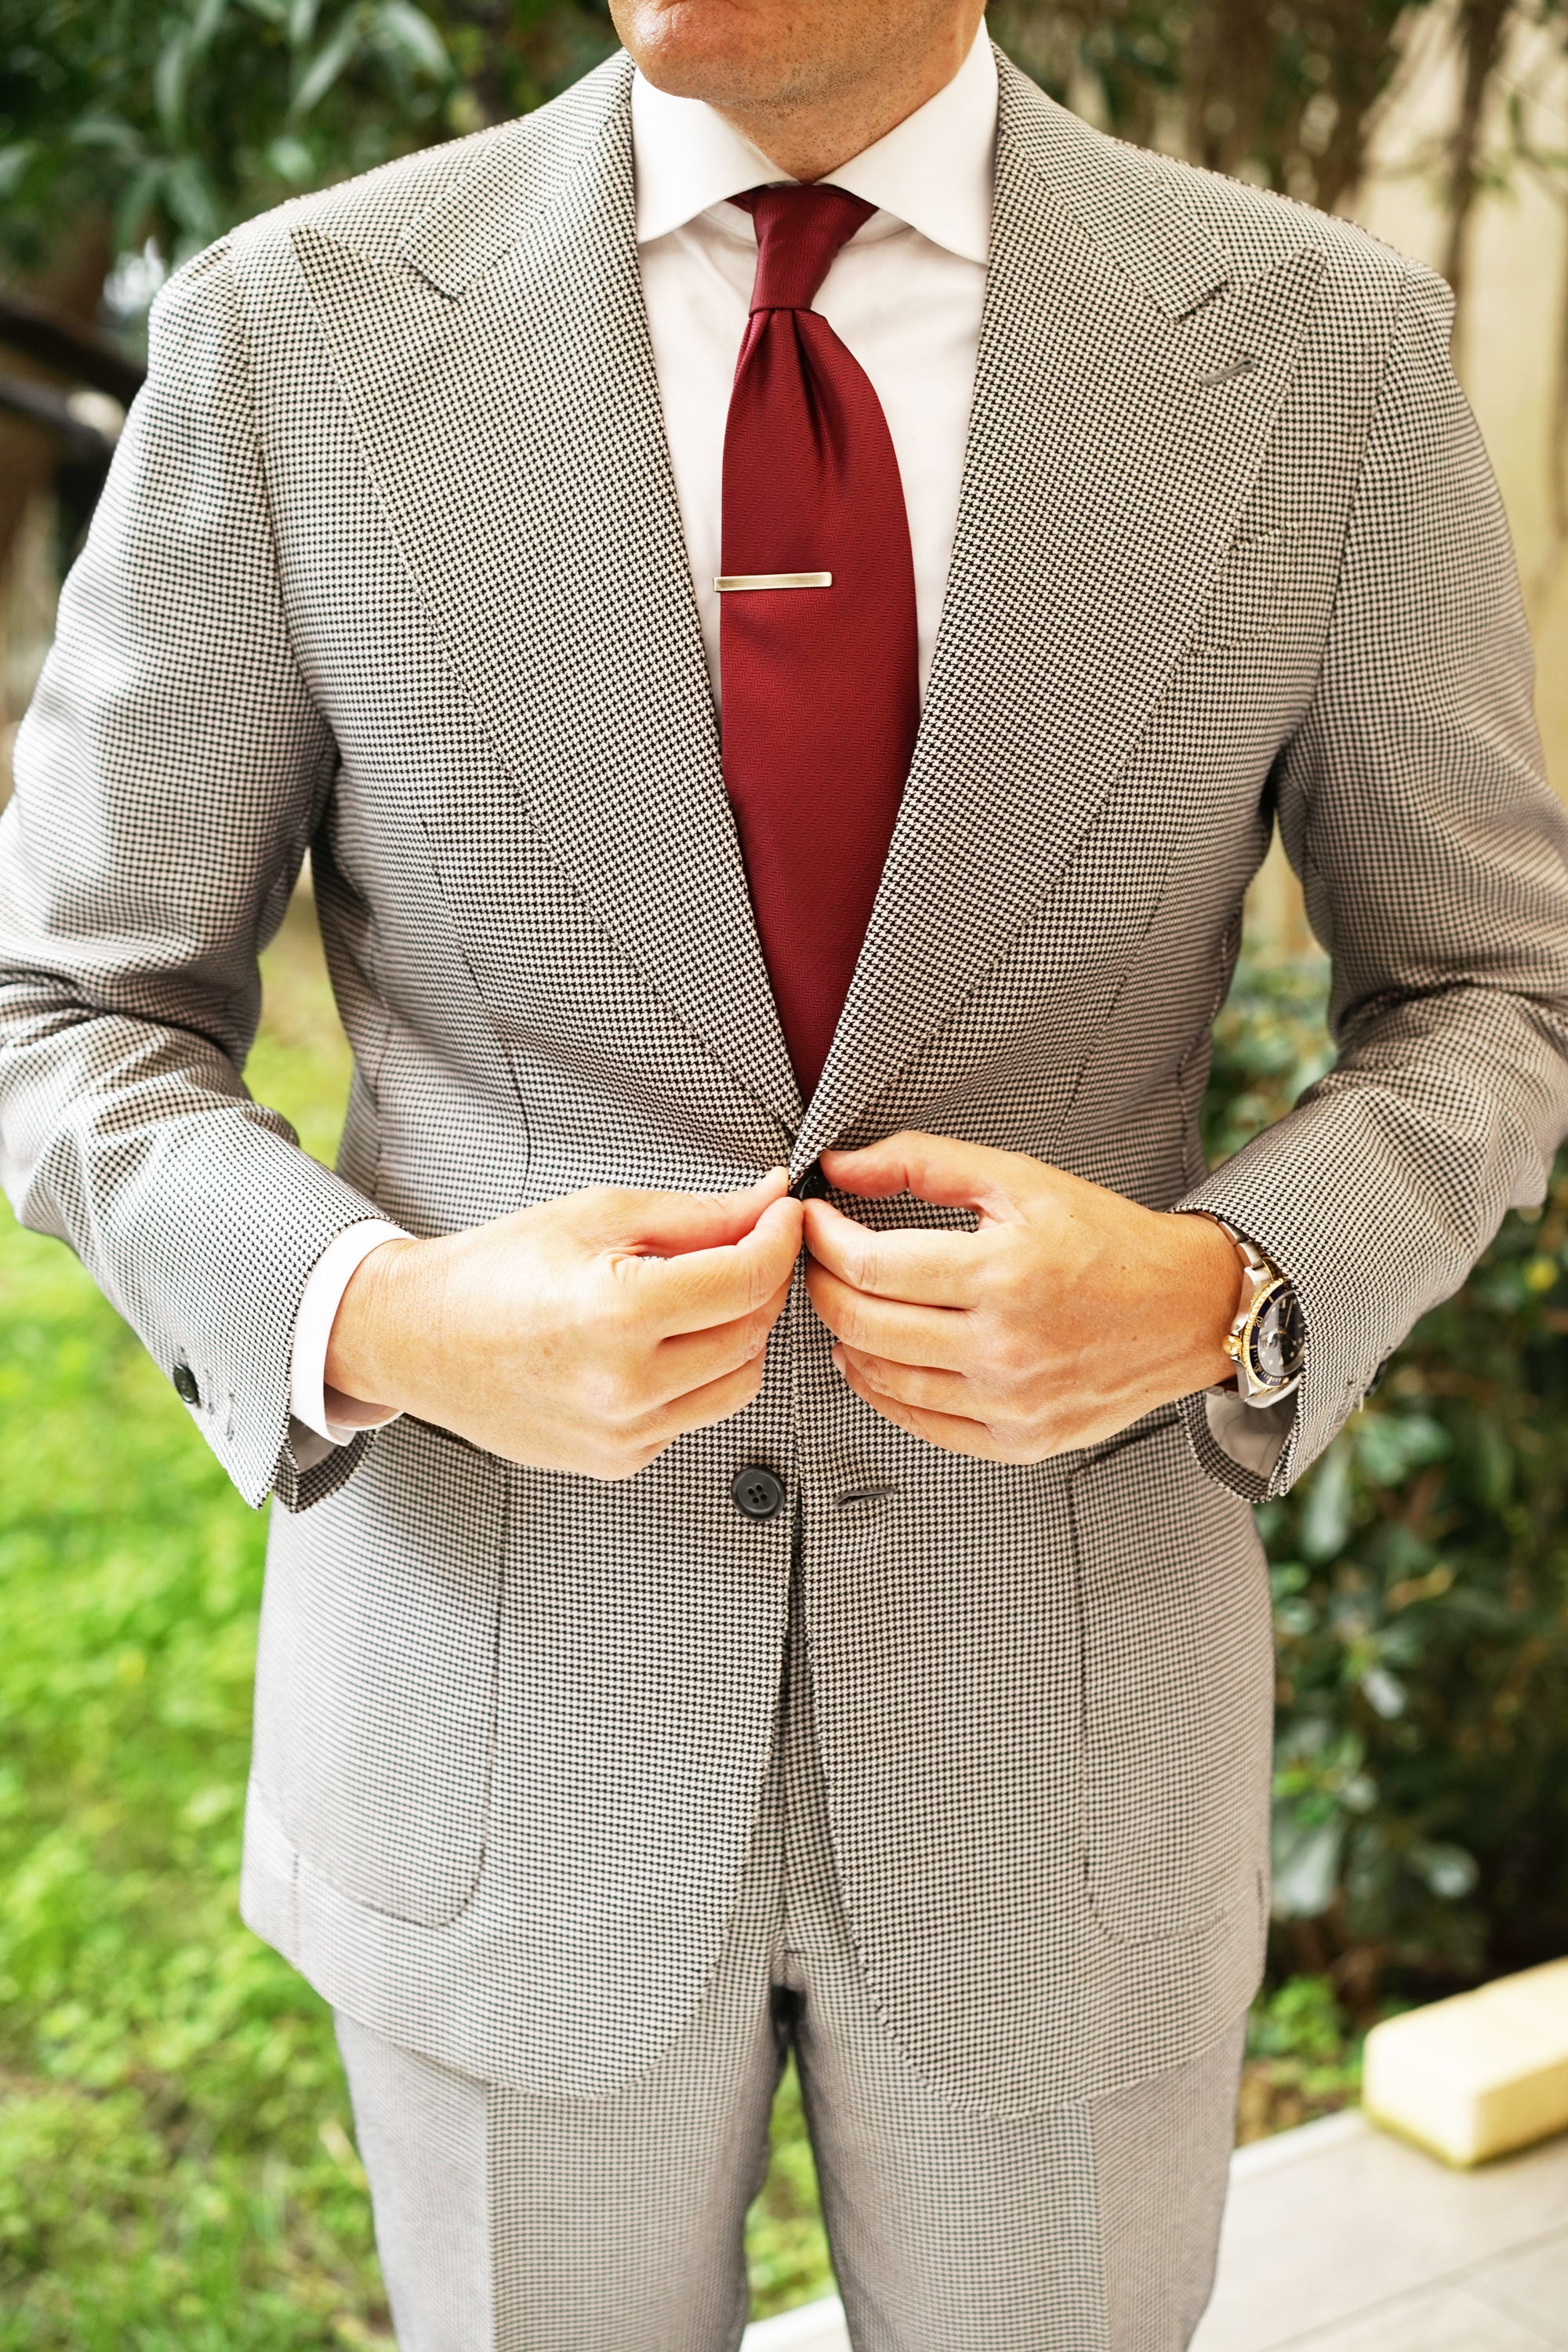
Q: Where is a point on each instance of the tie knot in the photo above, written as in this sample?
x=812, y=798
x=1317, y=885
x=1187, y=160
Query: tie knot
x=799, y=231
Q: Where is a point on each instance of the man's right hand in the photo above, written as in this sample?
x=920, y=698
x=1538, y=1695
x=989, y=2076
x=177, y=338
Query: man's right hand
x=583, y=1334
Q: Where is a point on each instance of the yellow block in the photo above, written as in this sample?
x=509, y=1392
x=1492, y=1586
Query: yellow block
x=1477, y=2075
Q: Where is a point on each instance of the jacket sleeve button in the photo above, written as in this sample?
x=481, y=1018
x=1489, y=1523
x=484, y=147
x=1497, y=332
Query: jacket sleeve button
x=185, y=1384
x=757, y=1492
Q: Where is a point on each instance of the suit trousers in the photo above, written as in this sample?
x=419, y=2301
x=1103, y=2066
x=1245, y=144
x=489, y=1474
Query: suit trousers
x=508, y=2223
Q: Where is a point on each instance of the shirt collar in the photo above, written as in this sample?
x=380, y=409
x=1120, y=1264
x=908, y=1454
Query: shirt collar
x=933, y=170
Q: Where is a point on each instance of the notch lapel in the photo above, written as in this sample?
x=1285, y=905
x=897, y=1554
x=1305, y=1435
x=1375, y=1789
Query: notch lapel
x=1112, y=443
x=500, y=376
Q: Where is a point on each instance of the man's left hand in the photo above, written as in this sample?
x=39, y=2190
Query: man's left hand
x=1069, y=1314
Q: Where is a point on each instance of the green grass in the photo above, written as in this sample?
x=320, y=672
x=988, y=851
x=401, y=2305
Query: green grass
x=177, y=2165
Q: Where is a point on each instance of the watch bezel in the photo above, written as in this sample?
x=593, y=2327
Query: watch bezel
x=1255, y=1381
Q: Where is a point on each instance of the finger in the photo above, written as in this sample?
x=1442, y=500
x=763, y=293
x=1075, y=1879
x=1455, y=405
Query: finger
x=925, y=1268
x=949, y=1431
x=934, y=1168
x=666, y=1224
x=686, y=1362
x=710, y=1286
x=714, y=1400
x=937, y=1336
x=915, y=1384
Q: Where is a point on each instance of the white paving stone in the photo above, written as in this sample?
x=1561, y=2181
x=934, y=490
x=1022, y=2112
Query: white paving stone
x=1330, y=2230
x=1532, y=2286
x=814, y=2328
x=1446, y=2320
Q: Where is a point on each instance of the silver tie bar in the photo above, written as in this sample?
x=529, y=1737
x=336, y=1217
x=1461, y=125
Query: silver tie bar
x=726, y=581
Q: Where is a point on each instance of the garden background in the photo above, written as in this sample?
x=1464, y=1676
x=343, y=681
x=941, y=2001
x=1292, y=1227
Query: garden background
x=177, y=2165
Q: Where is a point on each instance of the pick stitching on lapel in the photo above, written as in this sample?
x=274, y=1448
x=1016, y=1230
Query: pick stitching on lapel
x=501, y=379
x=1101, y=487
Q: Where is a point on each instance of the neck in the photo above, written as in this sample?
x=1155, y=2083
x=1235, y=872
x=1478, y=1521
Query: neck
x=811, y=137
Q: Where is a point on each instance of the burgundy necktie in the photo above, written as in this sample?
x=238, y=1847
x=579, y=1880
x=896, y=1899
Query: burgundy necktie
x=820, y=683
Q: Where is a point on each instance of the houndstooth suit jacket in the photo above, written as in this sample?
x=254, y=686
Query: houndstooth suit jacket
x=390, y=567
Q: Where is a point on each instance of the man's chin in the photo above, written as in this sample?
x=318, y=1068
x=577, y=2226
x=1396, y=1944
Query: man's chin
x=713, y=73
x=709, y=49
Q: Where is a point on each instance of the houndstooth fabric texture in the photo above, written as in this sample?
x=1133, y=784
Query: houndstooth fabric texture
x=512, y=2223
x=390, y=566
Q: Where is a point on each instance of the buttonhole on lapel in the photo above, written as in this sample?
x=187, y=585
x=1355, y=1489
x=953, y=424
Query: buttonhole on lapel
x=856, y=1497
x=1272, y=535
x=1242, y=364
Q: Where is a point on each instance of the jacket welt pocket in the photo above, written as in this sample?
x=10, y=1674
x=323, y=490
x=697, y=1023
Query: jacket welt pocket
x=376, y=1676
x=1178, y=1663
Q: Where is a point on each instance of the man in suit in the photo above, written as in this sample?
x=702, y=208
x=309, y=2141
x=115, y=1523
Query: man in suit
x=784, y=594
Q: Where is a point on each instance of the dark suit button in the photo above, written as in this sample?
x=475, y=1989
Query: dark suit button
x=757, y=1492
x=185, y=1384
x=812, y=1185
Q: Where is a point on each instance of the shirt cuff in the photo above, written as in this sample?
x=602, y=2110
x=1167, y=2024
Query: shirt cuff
x=323, y=1295
x=1253, y=1435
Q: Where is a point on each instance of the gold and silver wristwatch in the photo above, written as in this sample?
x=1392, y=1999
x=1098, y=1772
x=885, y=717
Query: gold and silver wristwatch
x=1267, y=1340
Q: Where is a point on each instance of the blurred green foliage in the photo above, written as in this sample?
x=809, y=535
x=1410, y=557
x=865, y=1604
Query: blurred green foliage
x=1284, y=93
x=786, y=2246
x=174, y=122
x=1420, y=1600
x=1303, y=2058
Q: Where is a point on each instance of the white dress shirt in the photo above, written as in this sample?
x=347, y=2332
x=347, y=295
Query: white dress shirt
x=905, y=294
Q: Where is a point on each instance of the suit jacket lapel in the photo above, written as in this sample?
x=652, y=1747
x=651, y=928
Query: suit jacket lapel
x=500, y=374
x=1102, y=482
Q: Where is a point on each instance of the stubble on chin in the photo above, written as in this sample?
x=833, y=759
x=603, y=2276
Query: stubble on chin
x=740, y=53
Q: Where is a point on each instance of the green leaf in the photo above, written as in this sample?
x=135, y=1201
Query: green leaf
x=169, y=83
x=1389, y=1445
x=139, y=198
x=292, y=161
x=1491, y=1460
x=1306, y=1867
x=1326, y=1518
x=14, y=162
x=204, y=26
x=192, y=200
x=1447, y=1869
x=407, y=32
x=327, y=63
x=1302, y=2020
x=1384, y=1692
x=109, y=130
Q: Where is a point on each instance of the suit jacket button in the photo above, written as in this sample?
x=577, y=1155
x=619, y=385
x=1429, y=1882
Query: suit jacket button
x=185, y=1384
x=757, y=1492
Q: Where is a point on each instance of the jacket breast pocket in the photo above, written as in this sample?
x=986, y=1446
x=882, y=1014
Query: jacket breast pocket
x=376, y=1678
x=1178, y=1667
x=1252, y=592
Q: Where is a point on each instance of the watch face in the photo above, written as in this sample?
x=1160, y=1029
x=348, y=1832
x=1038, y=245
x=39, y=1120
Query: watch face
x=1276, y=1343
